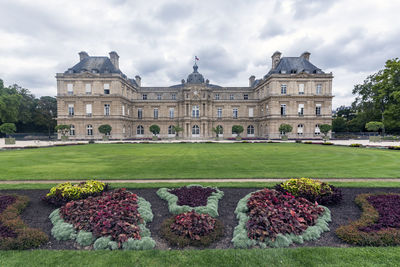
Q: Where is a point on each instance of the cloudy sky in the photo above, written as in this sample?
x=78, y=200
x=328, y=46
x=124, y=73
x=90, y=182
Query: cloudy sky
x=234, y=39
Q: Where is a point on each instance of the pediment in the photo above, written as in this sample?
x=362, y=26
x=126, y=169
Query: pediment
x=87, y=74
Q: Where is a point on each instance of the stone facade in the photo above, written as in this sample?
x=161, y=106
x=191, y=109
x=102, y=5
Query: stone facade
x=96, y=92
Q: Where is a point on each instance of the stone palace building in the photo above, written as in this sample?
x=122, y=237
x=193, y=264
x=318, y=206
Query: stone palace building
x=95, y=91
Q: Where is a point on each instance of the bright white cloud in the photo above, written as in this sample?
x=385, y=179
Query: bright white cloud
x=233, y=38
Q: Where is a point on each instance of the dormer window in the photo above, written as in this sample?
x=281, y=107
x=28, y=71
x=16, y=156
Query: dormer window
x=283, y=71
x=173, y=96
x=293, y=71
x=95, y=71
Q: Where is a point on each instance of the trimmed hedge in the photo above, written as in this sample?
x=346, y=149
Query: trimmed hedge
x=211, y=208
x=240, y=235
x=22, y=237
x=353, y=234
x=65, y=231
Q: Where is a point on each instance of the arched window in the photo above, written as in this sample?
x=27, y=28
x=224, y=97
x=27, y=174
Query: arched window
x=171, y=129
x=220, y=129
x=300, y=129
x=89, y=129
x=72, y=130
x=317, y=130
x=140, y=130
x=195, y=130
x=123, y=130
x=250, y=130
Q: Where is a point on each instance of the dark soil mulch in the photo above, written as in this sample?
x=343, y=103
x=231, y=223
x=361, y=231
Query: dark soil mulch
x=37, y=212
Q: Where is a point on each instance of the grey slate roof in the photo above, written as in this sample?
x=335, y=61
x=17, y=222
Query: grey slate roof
x=294, y=65
x=195, y=76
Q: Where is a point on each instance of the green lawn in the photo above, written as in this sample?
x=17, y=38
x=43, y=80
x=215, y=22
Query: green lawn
x=150, y=161
x=320, y=256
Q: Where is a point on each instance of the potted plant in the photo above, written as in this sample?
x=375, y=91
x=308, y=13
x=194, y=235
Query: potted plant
x=237, y=129
x=7, y=129
x=105, y=129
x=374, y=126
x=325, y=128
x=285, y=128
x=63, y=129
x=177, y=129
x=217, y=130
x=155, y=129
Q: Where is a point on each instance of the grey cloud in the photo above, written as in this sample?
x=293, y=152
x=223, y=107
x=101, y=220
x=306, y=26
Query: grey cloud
x=171, y=12
x=306, y=8
x=272, y=29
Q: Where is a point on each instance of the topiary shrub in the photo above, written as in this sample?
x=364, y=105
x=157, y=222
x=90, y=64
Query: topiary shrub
x=184, y=199
x=379, y=224
x=14, y=233
x=271, y=218
x=65, y=192
x=312, y=190
x=191, y=228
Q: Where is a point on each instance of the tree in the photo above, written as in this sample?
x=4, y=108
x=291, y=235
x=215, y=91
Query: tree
x=46, y=111
x=237, y=129
x=105, y=129
x=177, y=129
x=374, y=126
x=285, y=128
x=8, y=128
x=155, y=129
x=325, y=128
x=339, y=125
x=63, y=129
x=218, y=130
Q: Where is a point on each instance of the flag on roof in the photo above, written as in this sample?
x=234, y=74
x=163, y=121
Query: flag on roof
x=196, y=58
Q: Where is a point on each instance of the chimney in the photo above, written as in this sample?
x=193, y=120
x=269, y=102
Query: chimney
x=276, y=57
x=251, y=80
x=83, y=55
x=138, y=80
x=114, y=59
x=306, y=55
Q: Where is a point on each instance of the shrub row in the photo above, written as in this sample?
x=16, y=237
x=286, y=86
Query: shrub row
x=272, y=218
x=113, y=220
x=65, y=192
x=378, y=225
x=312, y=190
x=14, y=233
x=188, y=195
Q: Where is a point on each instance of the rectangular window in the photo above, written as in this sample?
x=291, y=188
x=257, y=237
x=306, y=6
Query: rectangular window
x=231, y=97
x=144, y=97
x=301, y=89
x=283, y=109
x=283, y=89
x=123, y=110
x=173, y=96
x=301, y=109
x=195, y=112
x=71, y=110
x=158, y=96
x=245, y=96
x=72, y=130
x=139, y=113
x=89, y=110
x=266, y=109
x=171, y=113
x=235, y=113
x=216, y=96
x=319, y=89
x=251, y=112
x=106, y=88
x=88, y=88
x=155, y=115
x=70, y=88
x=317, y=130
x=219, y=113
x=318, y=109
x=106, y=109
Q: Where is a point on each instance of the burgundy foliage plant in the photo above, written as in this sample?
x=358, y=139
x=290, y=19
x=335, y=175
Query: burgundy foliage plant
x=193, y=196
x=193, y=225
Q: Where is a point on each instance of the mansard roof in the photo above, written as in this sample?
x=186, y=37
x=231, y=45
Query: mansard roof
x=94, y=64
x=294, y=65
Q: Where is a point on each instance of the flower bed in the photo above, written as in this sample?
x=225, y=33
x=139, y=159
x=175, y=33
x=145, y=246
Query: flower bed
x=14, y=233
x=379, y=224
x=191, y=228
x=312, y=190
x=192, y=197
x=61, y=194
x=271, y=218
x=114, y=220
x=356, y=145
